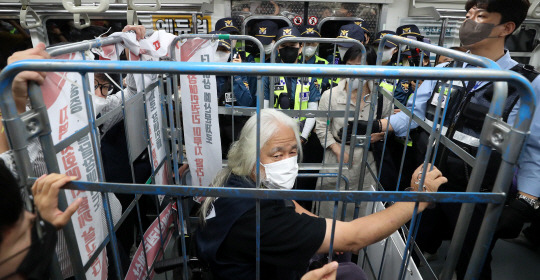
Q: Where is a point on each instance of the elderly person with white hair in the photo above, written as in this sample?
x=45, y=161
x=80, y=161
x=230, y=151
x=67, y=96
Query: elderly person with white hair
x=290, y=235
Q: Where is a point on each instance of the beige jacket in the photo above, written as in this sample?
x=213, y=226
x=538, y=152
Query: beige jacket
x=339, y=102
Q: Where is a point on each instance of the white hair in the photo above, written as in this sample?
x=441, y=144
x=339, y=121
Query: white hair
x=242, y=155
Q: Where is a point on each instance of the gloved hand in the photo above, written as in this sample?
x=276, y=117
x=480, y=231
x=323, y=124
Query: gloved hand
x=514, y=215
x=361, y=128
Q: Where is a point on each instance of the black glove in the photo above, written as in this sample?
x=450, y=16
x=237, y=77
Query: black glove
x=514, y=215
x=361, y=128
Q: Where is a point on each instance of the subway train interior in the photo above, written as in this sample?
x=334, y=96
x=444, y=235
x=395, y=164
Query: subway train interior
x=270, y=139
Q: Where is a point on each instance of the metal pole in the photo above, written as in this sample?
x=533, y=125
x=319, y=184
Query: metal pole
x=442, y=36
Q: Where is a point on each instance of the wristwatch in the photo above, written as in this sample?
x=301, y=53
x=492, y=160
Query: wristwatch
x=534, y=203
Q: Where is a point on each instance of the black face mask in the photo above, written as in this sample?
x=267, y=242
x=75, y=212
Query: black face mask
x=288, y=54
x=36, y=264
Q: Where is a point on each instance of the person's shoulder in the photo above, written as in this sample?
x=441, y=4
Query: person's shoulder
x=404, y=86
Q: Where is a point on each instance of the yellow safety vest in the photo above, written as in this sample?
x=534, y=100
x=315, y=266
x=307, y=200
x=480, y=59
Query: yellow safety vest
x=386, y=86
x=301, y=95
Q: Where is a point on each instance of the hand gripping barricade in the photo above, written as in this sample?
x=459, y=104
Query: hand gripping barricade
x=138, y=109
x=19, y=132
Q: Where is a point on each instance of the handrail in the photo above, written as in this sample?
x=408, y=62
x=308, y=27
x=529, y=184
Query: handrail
x=25, y=9
x=77, y=21
x=466, y=57
x=87, y=45
x=137, y=8
x=352, y=19
x=75, y=7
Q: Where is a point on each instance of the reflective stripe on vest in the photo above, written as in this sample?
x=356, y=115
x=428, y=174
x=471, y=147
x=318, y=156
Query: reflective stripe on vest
x=459, y=136
x=388, y=87
x=301, y=92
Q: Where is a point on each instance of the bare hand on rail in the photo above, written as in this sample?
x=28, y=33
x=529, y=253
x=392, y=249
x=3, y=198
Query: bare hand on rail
x=45, y=191
x=327, y=272
x=434, y=179
x=336, y=149
x=140, y=31
x=19, y=86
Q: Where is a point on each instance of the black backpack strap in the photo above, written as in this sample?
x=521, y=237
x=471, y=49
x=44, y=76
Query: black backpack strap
x=528, y=72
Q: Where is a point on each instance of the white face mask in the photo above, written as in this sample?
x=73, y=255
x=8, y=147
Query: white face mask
x=99, y=103
x=342, y=51
x=310, y=51
x=281, y=174
x=268, y=48
x=354, y=83
x=222, y=56
x=387, y=54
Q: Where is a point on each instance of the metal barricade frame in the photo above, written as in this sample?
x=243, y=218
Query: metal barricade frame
x=15, y=130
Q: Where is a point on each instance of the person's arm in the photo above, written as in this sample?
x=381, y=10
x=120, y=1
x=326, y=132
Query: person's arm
x=19, y=86
x=400, y=121
x=354, y=235
x=310, y=122
x=301, y=210
x=313, y=104
x=45, y=191
x=528, y=174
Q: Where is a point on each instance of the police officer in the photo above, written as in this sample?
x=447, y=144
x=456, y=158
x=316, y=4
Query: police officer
x=316, y=151
x=405, y=88
x=245, y=88
x=483, y=32
x=309, y=55
x=265, y=32
x=367, y=34
x=348, y=31
x=289, y=92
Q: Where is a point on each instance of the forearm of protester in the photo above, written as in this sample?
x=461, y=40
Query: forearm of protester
x=354, y=235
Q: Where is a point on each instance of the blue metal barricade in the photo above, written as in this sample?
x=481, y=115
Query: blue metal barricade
x=18, y=134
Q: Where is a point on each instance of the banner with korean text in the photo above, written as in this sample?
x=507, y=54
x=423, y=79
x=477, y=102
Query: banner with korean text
x=152, y=49
x=144, y=258
x=64, y=98
x=200, y=113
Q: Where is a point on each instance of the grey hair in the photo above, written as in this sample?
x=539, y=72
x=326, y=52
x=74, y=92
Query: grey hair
x=242, y=156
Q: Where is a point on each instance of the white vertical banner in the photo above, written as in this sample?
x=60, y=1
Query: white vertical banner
x=200, y=113
x=64, y=98
x=151, y=49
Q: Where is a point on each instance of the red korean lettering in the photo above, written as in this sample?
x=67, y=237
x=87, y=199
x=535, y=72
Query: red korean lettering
x=198, y=150
x=75, y=172
x=96, y=268
x=157, y=45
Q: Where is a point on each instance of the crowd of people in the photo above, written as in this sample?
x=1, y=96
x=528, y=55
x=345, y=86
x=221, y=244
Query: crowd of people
x=294, y=233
